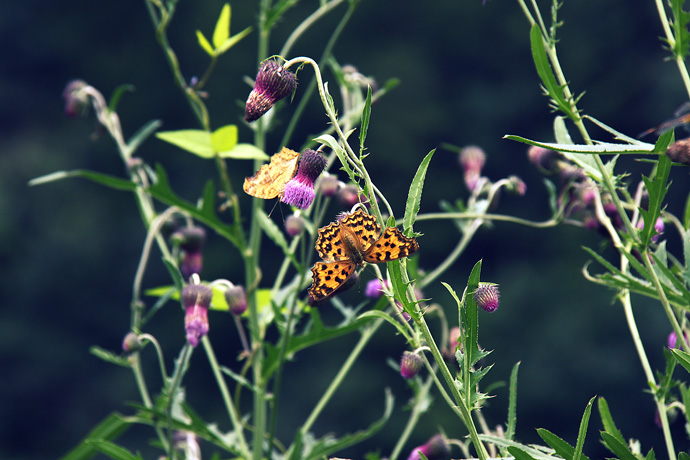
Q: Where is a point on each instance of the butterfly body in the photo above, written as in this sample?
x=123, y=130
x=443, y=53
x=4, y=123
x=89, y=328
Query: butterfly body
x=347, y=244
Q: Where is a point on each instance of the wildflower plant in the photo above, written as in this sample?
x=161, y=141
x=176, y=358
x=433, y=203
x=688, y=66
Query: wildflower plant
x=276, y=319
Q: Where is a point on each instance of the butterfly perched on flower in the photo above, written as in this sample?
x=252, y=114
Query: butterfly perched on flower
x=269, y=181
x=347, y=244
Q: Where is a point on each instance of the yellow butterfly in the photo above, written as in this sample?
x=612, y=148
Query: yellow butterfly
x=269, y=182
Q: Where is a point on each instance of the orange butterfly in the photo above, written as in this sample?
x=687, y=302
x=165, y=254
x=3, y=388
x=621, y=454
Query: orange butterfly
x=349, y=243
x=269, y=181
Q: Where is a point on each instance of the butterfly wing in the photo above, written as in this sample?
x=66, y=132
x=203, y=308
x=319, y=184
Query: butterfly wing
x=392, y=245
x=269, y=181
x=327, y=277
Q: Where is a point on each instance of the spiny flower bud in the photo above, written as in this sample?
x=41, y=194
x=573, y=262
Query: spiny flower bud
x=543, y=159
x=436, y=448
x=329, y=184
x=672, y=341
x=273, y=83
x=487, y=296
x=196, y=298
x=191, y=241
x=236, y=299
x=375, y=288
x=410, y=364
x=131, y=343
x=299, y=191
x=516, y=186
x=472, y=159
x=76, y=99
x=294, y=224
x=679, y=151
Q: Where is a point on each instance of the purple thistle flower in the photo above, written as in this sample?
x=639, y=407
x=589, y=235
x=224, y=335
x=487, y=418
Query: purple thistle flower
x=410, y=364
x=273, y=83
x=299, y=191
x=196, y=298
x=487, y=296
x=436, y=448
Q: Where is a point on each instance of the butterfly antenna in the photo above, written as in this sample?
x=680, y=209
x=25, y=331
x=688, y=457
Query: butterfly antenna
x=274, y=208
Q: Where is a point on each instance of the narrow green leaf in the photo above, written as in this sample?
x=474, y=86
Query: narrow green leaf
x=103, y=179
x=683, y=456
x=686, y=256
x=244, y=151
x=195, y=141
x=377, y=314
x=109, y=429
x=204, y=44
x=414, y=196
x=222, y=30
x=276, y=235
x=142, y=134
x=541, y=61
x=534, y=451
x=400, y=288
x=519, y=454
x=470, y=319
x=579, y=445
x=109, y=356
x=339, y=152
x=607, y=420
x=366, y=115
x=657, y=188
x=512, y=403
x=619, y=449
x=117, y=96
x=224, y=138
x=601, y=148
x=679, y=23
x=665, y=275
x=561, y=447
x=113, y=450
x=232, y=41
x=682, y=357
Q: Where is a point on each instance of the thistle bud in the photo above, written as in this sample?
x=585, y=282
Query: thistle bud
x=196, y=298
x=329, y=185
x=294, y=224
x=410, y=364
x=131, y=343
x=76, y=99
x=472, y=159
x=679, y=151
x=191, y=242
x=436, y=448
x=273, y=83
x=487, y=296
x=516, y=186
x=299, y=191
x=543, y=159
x=236, y=299
x=375, y=288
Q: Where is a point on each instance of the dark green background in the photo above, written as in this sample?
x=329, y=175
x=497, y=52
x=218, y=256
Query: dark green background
x=69, y=250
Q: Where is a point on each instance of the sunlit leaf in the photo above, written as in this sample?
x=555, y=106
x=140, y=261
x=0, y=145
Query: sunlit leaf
x=244, y=152
x=195, y=141
x=222, y=30
x=203, y=43
x=232, y=41
x=224, y=138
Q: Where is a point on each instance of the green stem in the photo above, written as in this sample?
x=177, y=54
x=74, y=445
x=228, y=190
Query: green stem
x=461, y=404
x=232, y=410
x=419, y=407
x=135, y=361
x=175, y=382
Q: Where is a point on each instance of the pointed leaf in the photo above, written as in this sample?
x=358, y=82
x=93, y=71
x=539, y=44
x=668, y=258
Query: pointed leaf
x=196, y=141
x=222, y=30
x=103, y=179
x=607, y=420
x=519, y=454
x=244, y=152
x=109, y=429
x=109, y=356
x=414, y=196
x=143, y=134
x=204, y=44
x=619, y=449
x=601, y=148
x=224, y=138
x=682, y=357
x=541, y=61
x=512, y=403
x=113, y=450
x=366, y=115
x=583, y=431
x=232, y=41
x=561, y=447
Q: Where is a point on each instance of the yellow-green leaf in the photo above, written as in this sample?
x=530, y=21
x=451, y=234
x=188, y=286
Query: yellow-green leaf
x=244, y=152
x=205, y=45
x=195, y=141
x=224, y=138
x=230, y=42
x=222, y=30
